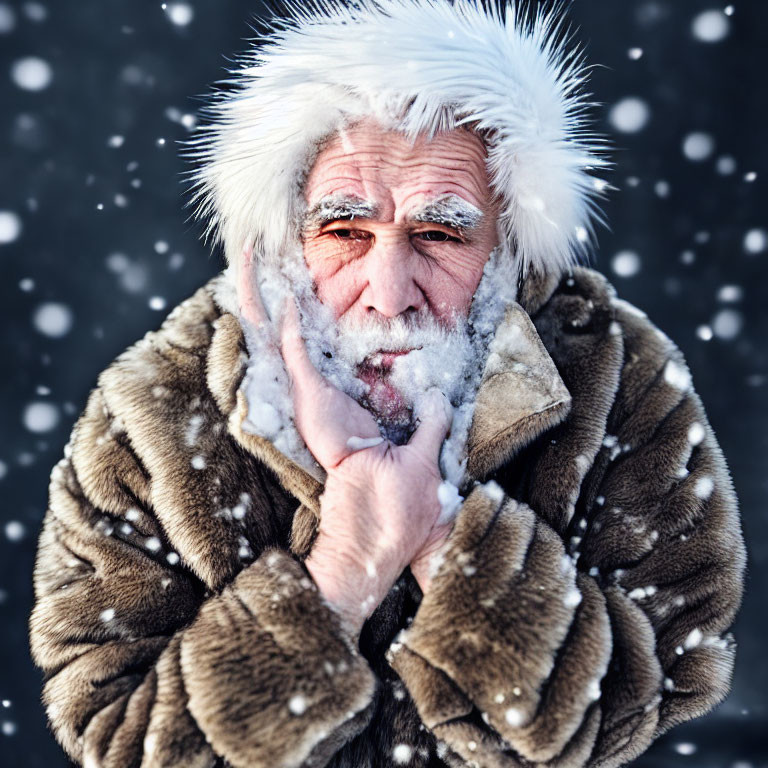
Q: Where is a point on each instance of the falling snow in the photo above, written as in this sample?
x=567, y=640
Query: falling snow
x=297, y=704
x=711, y=26
x=695, y=433
x=755, y=241
x=40, y=417
x=572, y=598
x=727, y=324
x=7, y=19
x=630, y=115
x=14, y=530
x=53, y=319
x=31, y=73
x=180, y=14
x=704, y=486
x=714, y=259
x=698, y=146
x=626, y=264
x=726, y=165
x=677, y=376
x=10, y=227
x=514, y=716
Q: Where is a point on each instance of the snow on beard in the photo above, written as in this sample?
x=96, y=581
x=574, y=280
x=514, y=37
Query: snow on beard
x=397, y=360
x=449, y=357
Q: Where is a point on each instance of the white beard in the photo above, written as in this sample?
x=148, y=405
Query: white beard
x=450, y=358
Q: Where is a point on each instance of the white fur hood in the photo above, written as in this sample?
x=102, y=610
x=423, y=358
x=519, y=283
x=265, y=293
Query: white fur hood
x=416, y=66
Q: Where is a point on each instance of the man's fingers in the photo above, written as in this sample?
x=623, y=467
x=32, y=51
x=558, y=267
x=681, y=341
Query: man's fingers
x=251, y=305
x=435, y=414
x=304, y=375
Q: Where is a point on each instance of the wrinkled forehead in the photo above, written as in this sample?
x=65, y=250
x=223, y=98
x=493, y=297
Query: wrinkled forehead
x=382, y=165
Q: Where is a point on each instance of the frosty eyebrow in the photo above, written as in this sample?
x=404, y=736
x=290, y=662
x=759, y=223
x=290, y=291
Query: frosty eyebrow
x=338, y=208
x=450, y=211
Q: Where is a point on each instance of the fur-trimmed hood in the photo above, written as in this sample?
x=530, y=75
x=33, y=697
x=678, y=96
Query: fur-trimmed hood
x=416, y=66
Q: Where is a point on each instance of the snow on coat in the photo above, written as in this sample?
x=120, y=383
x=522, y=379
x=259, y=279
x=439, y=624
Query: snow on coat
x=581, y=609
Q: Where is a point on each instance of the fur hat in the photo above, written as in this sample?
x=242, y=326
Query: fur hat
x=416, y=66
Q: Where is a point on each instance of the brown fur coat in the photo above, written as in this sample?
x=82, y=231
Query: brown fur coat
x=580, y=612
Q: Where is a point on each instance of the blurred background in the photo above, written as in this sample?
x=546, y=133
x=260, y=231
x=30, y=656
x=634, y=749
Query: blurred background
x=96, y=248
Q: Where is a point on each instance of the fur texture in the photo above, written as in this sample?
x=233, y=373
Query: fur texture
x=580, y=611
x=417, y=66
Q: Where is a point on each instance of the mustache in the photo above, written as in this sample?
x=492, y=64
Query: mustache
x=360, y=338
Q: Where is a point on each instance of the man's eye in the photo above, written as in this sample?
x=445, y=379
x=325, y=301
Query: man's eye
x=348, y=234
x=437, y=236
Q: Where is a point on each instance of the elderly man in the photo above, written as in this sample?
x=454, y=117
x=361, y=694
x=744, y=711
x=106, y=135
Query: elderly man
x=405, y=485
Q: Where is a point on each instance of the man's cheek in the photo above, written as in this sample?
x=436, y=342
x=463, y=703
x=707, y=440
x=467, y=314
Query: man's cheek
x=338, y=291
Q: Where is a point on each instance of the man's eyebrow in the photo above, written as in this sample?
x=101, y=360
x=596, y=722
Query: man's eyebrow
x=450, y=211
x=338, y=208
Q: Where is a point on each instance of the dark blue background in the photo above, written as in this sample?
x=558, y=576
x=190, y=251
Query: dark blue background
x=118, y=67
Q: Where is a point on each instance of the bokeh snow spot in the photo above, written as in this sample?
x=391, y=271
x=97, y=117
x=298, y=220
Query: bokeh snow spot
x=726, y=165
x=626, y=263
x=711, y=26
x=53, y=319
x=755, y=241
x=7, y=19
x=10, y=227
x=727, y=324
x=179, y=14
x=629, y=115
x=40, y=417
x=698, y=146
x=730, y=293
x=14, y=530
x=31, y=73
x=401, y=754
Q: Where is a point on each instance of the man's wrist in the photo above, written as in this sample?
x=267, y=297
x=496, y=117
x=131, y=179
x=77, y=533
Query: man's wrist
x=353, y=589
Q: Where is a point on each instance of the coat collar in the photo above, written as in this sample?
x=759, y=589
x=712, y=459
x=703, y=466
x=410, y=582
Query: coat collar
x=520, y=396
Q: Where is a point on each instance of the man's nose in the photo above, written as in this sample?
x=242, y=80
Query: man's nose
x=391, y=281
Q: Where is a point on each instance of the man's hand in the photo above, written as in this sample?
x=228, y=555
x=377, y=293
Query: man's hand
x=380, y=503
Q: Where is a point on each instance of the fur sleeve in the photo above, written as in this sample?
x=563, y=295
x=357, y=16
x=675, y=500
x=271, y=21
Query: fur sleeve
x=144, y=666
x=535, y=646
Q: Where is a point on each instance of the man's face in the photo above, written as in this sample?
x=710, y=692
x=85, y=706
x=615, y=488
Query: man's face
x=394, y=228
x=395, y=240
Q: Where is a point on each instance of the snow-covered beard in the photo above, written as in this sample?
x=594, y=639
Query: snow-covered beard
x=450, y=356
x=352, y=355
